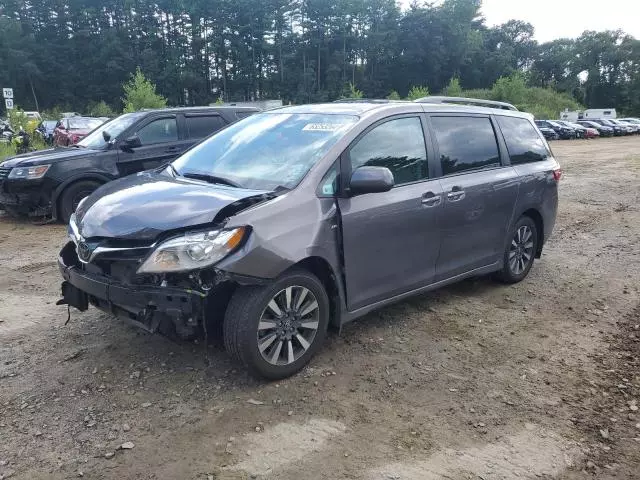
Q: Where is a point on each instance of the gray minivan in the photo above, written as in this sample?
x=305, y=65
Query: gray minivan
x=303, y=217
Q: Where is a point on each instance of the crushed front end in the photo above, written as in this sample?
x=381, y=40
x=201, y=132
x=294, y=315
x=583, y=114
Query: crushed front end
x=155, y=302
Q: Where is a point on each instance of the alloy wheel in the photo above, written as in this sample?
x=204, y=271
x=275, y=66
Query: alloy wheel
x=521, y=250
x=288, y=325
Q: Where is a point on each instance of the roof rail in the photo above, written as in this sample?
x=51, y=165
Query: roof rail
x=477, y=102
x=365, y=100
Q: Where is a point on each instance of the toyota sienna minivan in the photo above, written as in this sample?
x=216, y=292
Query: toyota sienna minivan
x=305, y=217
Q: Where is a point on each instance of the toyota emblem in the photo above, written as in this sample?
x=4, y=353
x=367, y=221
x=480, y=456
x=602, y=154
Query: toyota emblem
x=84, y=251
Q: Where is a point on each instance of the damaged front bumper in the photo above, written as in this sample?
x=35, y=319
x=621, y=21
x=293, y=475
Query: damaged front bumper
x=25, y=197
x=145, y=306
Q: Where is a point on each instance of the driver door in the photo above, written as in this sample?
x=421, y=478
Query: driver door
x=161, y=143
x=391, y=240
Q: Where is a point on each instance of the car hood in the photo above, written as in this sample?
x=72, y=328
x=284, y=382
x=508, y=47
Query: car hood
x=45, y=157
x=145, y=205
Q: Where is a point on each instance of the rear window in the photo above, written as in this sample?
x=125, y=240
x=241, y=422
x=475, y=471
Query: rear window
x=523, y=141
x=204, y=125
x=465, y=143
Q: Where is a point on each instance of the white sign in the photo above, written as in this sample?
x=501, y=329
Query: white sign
x=7, y=92
x=8, y=102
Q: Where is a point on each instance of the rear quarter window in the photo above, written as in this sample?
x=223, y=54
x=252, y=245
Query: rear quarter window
x=523, y=141
x=465, y=143
x=201, y=126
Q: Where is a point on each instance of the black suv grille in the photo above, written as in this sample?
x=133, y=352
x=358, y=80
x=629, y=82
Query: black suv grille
x=4, y=172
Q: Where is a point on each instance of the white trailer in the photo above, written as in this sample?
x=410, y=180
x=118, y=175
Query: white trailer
x=599, y=113
x=570, y=116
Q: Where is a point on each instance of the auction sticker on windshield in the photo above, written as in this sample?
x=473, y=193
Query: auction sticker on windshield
x=323, y=127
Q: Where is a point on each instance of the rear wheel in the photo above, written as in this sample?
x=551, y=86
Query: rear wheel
x=276, y=329
x=520, y=251
x=72, y=195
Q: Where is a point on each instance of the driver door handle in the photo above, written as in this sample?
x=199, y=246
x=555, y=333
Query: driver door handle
x=430, y=199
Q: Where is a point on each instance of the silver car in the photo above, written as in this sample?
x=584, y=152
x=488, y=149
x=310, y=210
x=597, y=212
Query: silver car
x=301, y=218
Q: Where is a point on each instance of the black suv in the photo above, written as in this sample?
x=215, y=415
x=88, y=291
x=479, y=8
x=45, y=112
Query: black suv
x=54, y=181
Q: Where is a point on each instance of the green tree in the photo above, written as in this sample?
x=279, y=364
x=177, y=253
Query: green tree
x=393, y=95
x=417, y=92
x=100, y=109
x=141, y=93
x=453, y=89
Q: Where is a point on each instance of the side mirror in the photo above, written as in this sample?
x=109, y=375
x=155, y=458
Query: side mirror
x=371, y=180
x=131, y=142
x=106, y=136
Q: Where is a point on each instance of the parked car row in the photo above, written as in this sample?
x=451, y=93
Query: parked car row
x=53, y=181
x=564, y=130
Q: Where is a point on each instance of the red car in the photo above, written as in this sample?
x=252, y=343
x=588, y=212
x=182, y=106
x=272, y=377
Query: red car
x=71, y=130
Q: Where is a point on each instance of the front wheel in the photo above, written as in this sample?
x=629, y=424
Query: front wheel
x=72, y=195
x=520, y=251
x=276, y=329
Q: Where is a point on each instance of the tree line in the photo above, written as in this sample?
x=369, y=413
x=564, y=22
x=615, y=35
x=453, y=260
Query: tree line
x=79, y=53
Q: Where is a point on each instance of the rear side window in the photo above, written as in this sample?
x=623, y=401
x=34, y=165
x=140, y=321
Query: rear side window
x=398, y=145
x=465, y=143
x=162, y=130
x=204, y=125
x=523, y=141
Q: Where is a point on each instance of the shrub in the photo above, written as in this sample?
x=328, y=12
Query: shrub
x=350, y=91
x=418, y=92
x=453, y=89
x=6, y=150
x=393, y=95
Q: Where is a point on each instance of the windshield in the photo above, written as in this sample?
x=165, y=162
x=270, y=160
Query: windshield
x=266, y=151
x=114, y=128
x=84, y=123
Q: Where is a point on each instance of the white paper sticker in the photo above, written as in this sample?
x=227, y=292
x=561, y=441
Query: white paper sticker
x=323, y=127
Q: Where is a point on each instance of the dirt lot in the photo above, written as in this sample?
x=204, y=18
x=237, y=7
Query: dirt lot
x=479, y=380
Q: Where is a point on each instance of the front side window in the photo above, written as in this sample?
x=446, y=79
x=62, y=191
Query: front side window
x=398, y=145
x=201, y=126
x=465, y=143
x=99, y=138
x=523, y=141
x=267, y=150
x=162, y=130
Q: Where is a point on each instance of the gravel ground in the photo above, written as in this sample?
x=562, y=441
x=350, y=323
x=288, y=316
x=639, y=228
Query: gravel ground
x=474, y=381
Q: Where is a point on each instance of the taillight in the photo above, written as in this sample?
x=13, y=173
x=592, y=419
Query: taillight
x=557, y=174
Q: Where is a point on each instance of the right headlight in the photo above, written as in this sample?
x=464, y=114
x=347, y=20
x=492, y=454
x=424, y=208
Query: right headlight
x=193, y=250
x=29, y=173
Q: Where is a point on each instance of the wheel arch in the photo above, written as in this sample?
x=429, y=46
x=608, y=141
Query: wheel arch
x=57, y=193
x=535, y=215
x=322, y=269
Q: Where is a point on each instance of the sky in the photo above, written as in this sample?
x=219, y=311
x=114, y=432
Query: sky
x=566, y=18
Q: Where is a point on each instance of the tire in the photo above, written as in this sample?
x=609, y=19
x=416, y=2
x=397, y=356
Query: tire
x=523, y=251
x=249, y=314
x=72, y=195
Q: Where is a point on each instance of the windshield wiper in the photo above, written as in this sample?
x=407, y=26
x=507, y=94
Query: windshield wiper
x=210, y=178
